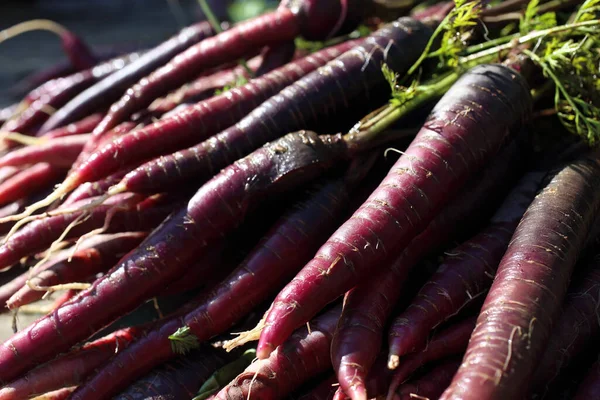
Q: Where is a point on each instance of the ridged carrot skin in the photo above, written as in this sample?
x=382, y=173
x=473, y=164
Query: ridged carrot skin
x=84, y=263
x=179, y=378
x=445, y=153
x=291, y=242
x=197, y=122
x=85, y=125
x=367, y=307
x=108, y=90
x=132, y=214
x=576, y=328
x=515, y=322
x=300, y=358
x=93, y=189
x=63, y=90
x=69, y=369
x=29, y=181
x=216, y=209
x=432, y=384
x=465, y=274
x=59, y=152
x=353, y=78
x=314, y=19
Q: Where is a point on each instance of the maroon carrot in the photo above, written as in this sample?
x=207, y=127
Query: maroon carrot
x=323, y=95
x=291, y=242
x=179, y=378
x=532, y=279
x=590, y=387
x=85, y=125
x=299, y=359
x=446, y=152
x=313, y=20
x=59, y=152
x=60, y=394
x=29, y=181
x=86, y=262
x=108, y=90
x=466, y=274
x=323, y=391
x=64, y=89
x=451, y=341
x=130, y=214
x=69, y=369
x=431, y=385
x=574, y=330
x=367, y=307
x=201, y=121
x=93, y=189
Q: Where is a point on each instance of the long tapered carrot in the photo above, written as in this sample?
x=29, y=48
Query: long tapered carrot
x=29, y=181
x=312, y=19
x=192, y=125
x=108, y=90
x=59, y=152
x=532, y=279
x=446, y=152
x=285, y=248
x=320, y=96
x=85, y=125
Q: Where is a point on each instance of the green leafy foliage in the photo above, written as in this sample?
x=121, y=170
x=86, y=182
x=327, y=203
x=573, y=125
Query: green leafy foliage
x=241, y=10
x=183, y=340
x=532, y=20
x=458, y=30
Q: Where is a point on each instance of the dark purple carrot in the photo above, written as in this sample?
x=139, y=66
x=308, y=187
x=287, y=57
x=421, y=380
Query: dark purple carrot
x=79, y=53
x=590, y=387
x=323, y=391
x=451, y=341
x=63, y=90
x=93, y=189
x=130, y=214
x=60, y=394
x=309, y=18
x=29, y=181
x=574, y=330
x=195, y=124
x=58, y=153
x=299, y=359
x=360, y=331
x=525, y=298
x=446, y=152
x=8, y=172
x=178, y=379
x=352, y=79
x=466, y=274
x=85, y=125
x=108, y=90
x=98, y=256
x=69, y=369
x=206, y=86
x=431, y=385
x=291, y=242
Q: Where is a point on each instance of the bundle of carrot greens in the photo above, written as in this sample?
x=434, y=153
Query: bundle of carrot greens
x=395, y=203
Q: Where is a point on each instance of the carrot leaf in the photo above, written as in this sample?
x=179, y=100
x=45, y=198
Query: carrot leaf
x=183, y=340
x=531, y=20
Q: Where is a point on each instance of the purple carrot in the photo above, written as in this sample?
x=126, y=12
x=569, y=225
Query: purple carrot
x=368, y=306
x=465, y=275
x=525, y=298
x=574, y=330
x=445, y=153
x=130, y=214
x=98, y=256
x=59, y=152
x=178, y=379
x=108, y=90
x=60, y=394
x=590, y=387
x=323, y=391
x=285, y=248
x=64, y=89
x=202, y=120
x=93, y=189
x=319, y=96
x=29, y=181
x=312, y=19
x=85, y=125
x=431, y=385
x=299, y=359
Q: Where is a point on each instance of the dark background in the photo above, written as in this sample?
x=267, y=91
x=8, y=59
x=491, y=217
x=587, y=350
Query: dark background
x=121, y=25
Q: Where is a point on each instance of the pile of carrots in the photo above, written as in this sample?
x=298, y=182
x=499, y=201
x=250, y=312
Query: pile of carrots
x=336, y=199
